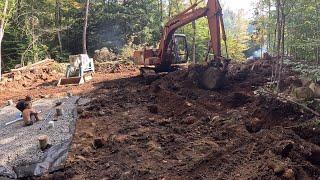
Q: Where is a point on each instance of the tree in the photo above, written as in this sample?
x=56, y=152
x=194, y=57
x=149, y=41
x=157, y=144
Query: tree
x=194, y=29
x=58, y=24
x=3, y=22
x=85, y=26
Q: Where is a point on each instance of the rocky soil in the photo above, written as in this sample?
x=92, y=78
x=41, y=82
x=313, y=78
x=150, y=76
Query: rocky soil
x=172, y=129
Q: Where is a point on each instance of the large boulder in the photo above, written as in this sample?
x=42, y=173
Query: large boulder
x=316, y=89
x=303, y=93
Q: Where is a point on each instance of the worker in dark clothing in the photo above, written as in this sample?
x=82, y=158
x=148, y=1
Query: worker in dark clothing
x=30, y=116
x=21, y=105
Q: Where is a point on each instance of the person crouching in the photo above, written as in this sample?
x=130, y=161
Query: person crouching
x=29, y=115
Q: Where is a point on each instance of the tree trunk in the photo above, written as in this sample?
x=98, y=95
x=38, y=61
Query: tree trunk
x=58, y=24
x=2, y=26
x=282, y=40
x=170, y=8
x=193, y=39
x=318, y=47
x=269, y=27
x=278, y=39
x=161, y=11
x=1, y=37
x=85, y=26
x=318, y=56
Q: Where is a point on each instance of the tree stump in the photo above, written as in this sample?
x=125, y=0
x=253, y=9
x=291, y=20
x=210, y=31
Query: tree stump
x=59, y=112
x=43, y=141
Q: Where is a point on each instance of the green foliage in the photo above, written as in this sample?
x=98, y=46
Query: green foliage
x=121, y=26
x=302, y=35
x=307, y=70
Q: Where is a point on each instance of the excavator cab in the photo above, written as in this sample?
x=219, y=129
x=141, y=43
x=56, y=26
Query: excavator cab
x=179, y=48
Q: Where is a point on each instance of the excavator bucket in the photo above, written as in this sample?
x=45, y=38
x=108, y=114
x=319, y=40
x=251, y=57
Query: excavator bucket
x=71, y=81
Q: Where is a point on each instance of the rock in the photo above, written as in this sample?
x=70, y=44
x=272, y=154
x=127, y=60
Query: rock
x=29, y=76
x=315, y=89
x=314, y=156
x=119, y=138
x=58, y=103
x=18, y=66
x=34, y=71
x=303, y=93
x=283, y=148
x=81, y=158
x=156, y=88
x=101, y=113
x=153, y=109
x=44, y=77
x=213, y=78
x=289, y=174
x=10, y=102
x=190, y=120
x=44, y=96
x=85, y=151
x=98, y=143
x=80, y=110
x=150, y=77
x=254, y=125
x=3, y=82
x=87, y=135
x=306, y=82
x=17, y=77
x=278, y=167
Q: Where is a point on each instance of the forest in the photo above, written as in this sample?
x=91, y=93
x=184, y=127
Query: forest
x=33, y=30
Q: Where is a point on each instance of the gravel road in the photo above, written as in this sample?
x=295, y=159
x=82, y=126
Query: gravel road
x=19, y=145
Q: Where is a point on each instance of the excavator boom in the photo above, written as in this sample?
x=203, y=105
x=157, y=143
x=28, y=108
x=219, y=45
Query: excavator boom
x=211, y=74
x=213, y=11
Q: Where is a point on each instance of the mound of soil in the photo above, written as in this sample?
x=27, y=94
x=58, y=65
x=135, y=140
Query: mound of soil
x=172, y=129
x=46, y=73
x=115, y=67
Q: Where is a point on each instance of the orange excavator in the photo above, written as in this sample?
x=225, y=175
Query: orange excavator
x=163, y=57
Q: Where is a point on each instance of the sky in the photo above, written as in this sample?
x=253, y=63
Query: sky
x=235, y=5
x=238, y=4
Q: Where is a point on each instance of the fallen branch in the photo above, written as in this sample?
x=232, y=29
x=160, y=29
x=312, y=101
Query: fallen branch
x=32, y=65
x=292, y=101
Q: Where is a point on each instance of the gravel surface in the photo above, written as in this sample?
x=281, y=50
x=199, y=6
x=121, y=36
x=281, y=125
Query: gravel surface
x=19, y=145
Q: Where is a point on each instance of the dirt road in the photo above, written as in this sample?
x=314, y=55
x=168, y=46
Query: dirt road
x=171, y=129
x=49, y=89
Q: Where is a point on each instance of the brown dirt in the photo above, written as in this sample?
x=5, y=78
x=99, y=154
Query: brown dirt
x=171, y=129
x=41, y=81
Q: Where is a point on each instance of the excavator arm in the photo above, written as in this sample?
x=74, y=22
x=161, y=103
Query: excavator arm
x=213, y=11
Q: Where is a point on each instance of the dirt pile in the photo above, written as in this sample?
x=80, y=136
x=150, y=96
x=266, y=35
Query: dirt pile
x=115, y=67
x=172, y=129
x=104, y=55
x=109, y=62
x=46, y=72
